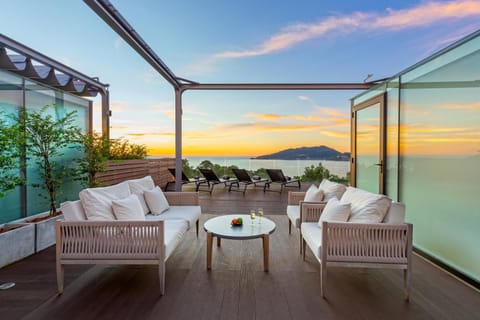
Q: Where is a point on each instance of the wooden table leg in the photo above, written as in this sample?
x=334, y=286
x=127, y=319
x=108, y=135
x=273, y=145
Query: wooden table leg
x=265, y=251
x=219, y=241
x=209, y=250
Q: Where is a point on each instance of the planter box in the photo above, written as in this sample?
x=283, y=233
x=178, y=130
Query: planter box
x=44, y=230
x=17, y=243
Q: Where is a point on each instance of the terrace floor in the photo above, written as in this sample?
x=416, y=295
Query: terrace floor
x=236, y=287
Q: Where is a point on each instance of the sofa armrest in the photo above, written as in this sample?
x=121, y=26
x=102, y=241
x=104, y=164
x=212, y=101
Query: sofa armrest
x=110, y=240
x=182, y=198
x=295, y=197
x=311, y=211
x=366, y=243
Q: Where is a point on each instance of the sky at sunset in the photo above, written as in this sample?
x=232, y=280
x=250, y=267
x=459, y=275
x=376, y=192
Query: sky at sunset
x=242, y=41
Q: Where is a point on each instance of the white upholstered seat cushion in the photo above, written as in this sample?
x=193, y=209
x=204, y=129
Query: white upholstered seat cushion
x=73, y=211
x=293, y=213
x=138, y=187
x=128, y=208
x=97, y=202
x=366, y=207
x=190, y=214
x=312, y=234
x=331, y=189
x=173, y=230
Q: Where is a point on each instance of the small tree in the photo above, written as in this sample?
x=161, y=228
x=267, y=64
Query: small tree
x=95, y=148
x=11, y=152
x=315, y=173
x=46, y=138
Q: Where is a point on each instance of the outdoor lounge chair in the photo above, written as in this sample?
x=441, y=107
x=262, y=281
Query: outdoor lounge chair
x=245, y=179
x=185, y=179
x=277, y=176
x=212, y=180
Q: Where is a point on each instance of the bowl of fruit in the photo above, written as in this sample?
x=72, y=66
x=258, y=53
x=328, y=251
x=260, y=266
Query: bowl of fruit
x=236, y=222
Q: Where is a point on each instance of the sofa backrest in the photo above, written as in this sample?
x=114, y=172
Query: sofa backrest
x=395, y=214
x=367, y=207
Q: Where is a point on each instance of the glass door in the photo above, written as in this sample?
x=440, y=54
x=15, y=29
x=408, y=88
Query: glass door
x=368, y=158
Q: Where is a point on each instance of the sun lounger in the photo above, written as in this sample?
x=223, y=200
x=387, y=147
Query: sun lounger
x=244, y=178
x=277, y=176
x=212, y=180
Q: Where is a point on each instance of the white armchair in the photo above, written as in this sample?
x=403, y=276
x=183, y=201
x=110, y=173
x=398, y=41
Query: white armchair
x=385, y=244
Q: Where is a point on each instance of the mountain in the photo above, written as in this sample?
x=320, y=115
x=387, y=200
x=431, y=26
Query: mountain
x=308, y=153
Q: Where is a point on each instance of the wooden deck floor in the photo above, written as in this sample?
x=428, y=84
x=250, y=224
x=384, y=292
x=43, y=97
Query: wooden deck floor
x=236, y=287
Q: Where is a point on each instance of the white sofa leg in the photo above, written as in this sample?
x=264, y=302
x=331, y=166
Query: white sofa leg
x=323, y=280
x=406, y=283
x=60, y=277
x=161, y=277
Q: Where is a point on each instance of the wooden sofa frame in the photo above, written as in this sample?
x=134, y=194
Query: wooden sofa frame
x=116, y=242
x=362, y=245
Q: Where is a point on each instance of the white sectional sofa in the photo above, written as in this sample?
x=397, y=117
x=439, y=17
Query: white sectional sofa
x=362, y=229
x=132, y=222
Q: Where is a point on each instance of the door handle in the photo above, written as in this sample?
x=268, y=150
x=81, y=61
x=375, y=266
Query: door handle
x=380, y=165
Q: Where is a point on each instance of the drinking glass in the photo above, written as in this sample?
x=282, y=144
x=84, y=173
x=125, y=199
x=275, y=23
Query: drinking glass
x=260, y=214
x=252, y=215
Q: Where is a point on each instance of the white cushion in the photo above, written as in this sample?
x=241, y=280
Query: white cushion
x=128, y=208
x=156, y=201
x=293, y=213
x=173, y=231
x=312, y=234
x=366, y=207
x=313, y=194
x=395, y=214
x=335, y=210
x=73, y=211
x=97, y=202
x=331, y=189
x=190, y=214
x=138, y=187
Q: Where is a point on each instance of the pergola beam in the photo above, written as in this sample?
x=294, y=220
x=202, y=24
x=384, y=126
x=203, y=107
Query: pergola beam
x=277, y=86
x=117, y=22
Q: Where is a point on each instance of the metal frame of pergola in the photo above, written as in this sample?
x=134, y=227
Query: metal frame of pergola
x=105, y=10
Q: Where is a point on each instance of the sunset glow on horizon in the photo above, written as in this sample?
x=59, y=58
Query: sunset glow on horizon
x=309, y=42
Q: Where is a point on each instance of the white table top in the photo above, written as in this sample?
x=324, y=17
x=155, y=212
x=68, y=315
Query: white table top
x=221, y=227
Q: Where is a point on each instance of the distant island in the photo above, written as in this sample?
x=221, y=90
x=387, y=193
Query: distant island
x=308, y=153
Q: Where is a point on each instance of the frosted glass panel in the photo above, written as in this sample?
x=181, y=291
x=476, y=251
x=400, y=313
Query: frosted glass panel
x=440, y=148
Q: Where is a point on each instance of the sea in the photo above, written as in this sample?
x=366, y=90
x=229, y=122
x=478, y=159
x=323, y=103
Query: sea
x=289, y=167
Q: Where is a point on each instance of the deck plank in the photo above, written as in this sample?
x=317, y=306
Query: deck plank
x=236, y=287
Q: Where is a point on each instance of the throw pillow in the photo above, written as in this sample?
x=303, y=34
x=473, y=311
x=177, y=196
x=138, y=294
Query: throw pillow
x=97, y=202
x=73, y=211
x=313, y=194
x=156, y=201
x=331, y=189
x=335, y=210
x=128, y=208
x=367, y=207
x=138, y=187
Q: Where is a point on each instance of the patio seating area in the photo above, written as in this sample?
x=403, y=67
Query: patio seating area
x=236, y=287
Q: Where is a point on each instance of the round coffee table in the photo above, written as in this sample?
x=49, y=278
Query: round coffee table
x=221, y=227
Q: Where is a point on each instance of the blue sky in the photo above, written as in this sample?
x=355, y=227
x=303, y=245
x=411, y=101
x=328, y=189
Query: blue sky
x=240, y=41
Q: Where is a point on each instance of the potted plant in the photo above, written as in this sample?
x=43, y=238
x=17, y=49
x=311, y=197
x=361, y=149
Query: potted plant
x=46, y=136
x=95, y=149
x=11, y=176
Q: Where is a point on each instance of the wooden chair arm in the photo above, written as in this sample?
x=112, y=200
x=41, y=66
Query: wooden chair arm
x=311, y=211
x=295, y=197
